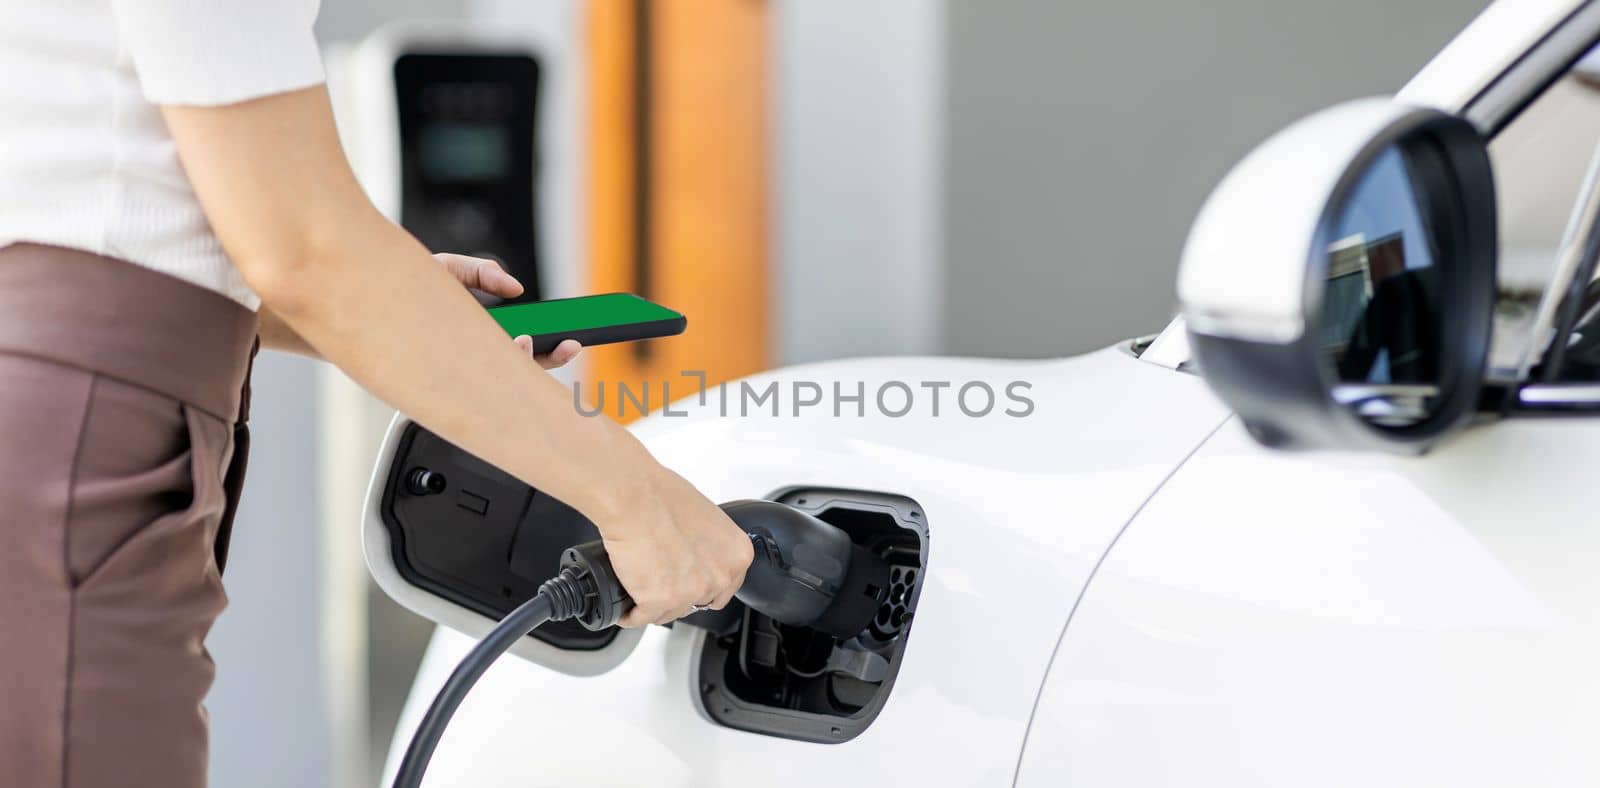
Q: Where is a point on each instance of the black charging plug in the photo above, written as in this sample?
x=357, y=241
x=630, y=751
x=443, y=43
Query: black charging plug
x=806, y=573
x=598, y=599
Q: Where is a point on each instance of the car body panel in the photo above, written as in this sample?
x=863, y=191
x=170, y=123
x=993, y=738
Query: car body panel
x=1342, y=619
x=1018, y=509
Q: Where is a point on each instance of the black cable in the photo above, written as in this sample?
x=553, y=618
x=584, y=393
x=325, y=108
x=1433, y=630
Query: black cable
x=561, y=597
x=586, y=588
x=514, y=626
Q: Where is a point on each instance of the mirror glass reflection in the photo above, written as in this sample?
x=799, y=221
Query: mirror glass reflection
x=1381, y=325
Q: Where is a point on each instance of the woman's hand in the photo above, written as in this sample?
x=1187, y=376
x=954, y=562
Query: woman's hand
x=483, y=275
x=674, y=550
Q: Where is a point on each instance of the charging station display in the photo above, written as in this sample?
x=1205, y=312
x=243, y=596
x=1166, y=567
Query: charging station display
x=468, y=170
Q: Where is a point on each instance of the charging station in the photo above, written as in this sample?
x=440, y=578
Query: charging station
x=441, y=121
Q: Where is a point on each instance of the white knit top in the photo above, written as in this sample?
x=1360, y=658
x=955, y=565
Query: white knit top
x=85, y=159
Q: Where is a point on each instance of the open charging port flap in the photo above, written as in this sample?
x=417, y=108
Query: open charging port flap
x=466, y=531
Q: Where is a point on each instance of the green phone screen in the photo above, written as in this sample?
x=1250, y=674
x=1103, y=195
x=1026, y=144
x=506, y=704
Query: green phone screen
x=578, y=314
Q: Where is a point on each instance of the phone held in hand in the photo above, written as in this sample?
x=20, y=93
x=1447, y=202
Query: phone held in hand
x=591, y=320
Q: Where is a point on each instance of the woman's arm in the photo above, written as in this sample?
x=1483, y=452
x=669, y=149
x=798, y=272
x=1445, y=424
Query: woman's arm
x=369, y=298
x=474, y=273
x=277, y=335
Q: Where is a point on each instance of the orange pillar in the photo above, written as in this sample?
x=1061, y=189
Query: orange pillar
x=702, y=165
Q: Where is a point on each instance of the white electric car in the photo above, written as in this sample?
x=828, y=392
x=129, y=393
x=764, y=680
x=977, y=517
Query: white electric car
x=1334, y=526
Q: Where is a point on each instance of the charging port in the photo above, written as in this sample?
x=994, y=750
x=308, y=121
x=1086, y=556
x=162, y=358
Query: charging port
x=761, y=676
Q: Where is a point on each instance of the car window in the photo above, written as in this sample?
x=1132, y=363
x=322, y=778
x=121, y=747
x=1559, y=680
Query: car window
x=1540, y=160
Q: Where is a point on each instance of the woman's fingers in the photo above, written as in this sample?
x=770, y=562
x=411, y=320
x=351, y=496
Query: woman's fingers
x=671, y=585
x=649, y=607
x=722, y=599
x=559, y=357
x=673, y=550
x=480, y=274
x=494, y=279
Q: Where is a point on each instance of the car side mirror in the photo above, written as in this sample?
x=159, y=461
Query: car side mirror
x=1339, y=283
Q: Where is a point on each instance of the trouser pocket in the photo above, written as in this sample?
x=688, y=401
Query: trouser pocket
x=108, y=586
x=146, y=503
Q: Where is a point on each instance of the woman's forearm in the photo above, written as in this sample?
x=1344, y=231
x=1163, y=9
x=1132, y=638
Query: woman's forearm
x=277, y=335
x=363, y=293
x=479, y=275
x=420, y=342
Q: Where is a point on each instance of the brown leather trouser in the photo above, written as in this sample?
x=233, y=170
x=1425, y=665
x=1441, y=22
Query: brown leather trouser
x=122, y=402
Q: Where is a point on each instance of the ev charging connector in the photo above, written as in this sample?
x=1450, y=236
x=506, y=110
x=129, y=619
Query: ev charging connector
x=804, y=573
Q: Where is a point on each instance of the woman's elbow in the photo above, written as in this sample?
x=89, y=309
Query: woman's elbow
x=285, y=281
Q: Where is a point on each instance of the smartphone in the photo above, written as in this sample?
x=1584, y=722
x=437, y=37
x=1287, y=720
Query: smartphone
x=592, y=320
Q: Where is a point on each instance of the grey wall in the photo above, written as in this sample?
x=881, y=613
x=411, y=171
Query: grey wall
x=856, y=128
x=1082, y=138
x=347, y=20
x=269, y=725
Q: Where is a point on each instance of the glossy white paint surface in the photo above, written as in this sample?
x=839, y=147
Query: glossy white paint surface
x=1017, y=509
x=1244, y=265
x=1274, y=619
x=1496, y=39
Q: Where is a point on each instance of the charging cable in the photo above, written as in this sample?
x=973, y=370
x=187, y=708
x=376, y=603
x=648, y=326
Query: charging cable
x=806, y=573
x=585, y=589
